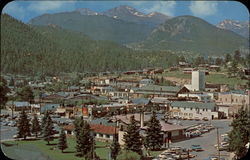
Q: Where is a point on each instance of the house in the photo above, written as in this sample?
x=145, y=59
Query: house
x=18, y=106
x=159, y=91
x=193, y=110
x=214, y=67
x=184, y=64
x=202, y=97
x=212, y=87
x=145, y=82
x=57, y=96
x=188, y=70
x=169, y=131
x=99, y=131
x=49, y=107
x=237, y=99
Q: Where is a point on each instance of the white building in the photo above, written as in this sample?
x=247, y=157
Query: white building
x=198, y=81
x=201, y=97
x=193, y=110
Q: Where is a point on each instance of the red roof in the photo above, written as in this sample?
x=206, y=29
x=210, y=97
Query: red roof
x=98, y=128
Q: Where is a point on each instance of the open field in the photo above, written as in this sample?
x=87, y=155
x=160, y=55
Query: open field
x=213, y=77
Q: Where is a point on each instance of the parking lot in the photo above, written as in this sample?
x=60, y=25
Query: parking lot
x=206, y=140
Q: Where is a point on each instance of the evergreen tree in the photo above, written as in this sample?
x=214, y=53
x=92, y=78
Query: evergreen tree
x=12, y=82
x=62, y=141
x=240, y=134
x=26, y=94
x=153, y=140
x=3, y=92
x=228, y=58
x=115, y=148
x=233, y=69
x=44, y=119
x=237, y=56
x=35, y=126
x=84, y=139
x=23, y=125
x=48, y=130
x=132, y=137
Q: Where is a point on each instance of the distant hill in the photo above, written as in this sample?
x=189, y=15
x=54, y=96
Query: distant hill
x=241, y=28
x=98, y=27
x=188, y=33
x=50, y=49
x=130, y=14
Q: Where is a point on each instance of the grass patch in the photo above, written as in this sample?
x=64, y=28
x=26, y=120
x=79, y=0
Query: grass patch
x=213, y=77
x=54, y=153
x=177, y=74
x=51, y=151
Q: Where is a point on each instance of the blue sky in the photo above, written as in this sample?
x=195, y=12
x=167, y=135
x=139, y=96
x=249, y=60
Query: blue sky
x=211, y=11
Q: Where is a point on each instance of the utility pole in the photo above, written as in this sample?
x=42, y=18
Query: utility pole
x=218, y=142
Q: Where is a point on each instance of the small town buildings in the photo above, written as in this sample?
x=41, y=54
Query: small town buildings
x=99, y=131
x=193, y=110
x=234, y=98
x=146, y=82
x=169, y=131
x=159, y=91
x=49, y=107
x=18, y=106
x=202, y=97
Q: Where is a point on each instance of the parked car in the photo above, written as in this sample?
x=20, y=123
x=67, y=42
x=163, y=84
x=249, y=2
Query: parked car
x=205, y=119
x=196, y=147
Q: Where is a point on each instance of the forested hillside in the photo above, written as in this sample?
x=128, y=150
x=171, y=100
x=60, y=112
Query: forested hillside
x=50, y=50
x=188, y=33
x=97, y=27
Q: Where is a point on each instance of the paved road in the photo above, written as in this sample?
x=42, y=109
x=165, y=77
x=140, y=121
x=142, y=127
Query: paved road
x=207, y=140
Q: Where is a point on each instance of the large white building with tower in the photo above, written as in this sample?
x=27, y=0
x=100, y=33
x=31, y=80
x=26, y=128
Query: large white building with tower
x=198, y=81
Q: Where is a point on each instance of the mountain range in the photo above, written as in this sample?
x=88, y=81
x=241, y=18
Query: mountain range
x=154, y=31
x=51, y=49
x=241, y=28
x=190, y=33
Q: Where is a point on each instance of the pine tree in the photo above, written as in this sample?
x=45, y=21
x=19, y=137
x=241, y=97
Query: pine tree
x=115, y=148
x=44, y=119
x=23, y=125
x=35, y=126
x=62, y=141
x=132, y=137
x=240, y=134
x=48, y=130
x=153, y=140
x=3, y=92
x=84, y=139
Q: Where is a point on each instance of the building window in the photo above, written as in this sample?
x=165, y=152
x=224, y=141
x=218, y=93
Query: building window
x=191, y=108
x=108, y=136
x=226, y=99
x=203, y=109
x=236, y=100
x=178, y=107
x=184, y=108
x=100, y=135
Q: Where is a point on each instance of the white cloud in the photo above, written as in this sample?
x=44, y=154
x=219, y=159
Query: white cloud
x=165, y=7
x=203, y=8
x=14, y=9
x=44, y=6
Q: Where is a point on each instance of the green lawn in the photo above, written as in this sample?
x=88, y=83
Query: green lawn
x=52, y=151
x=55, y=154
x=213, y=77
x=177, y=74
